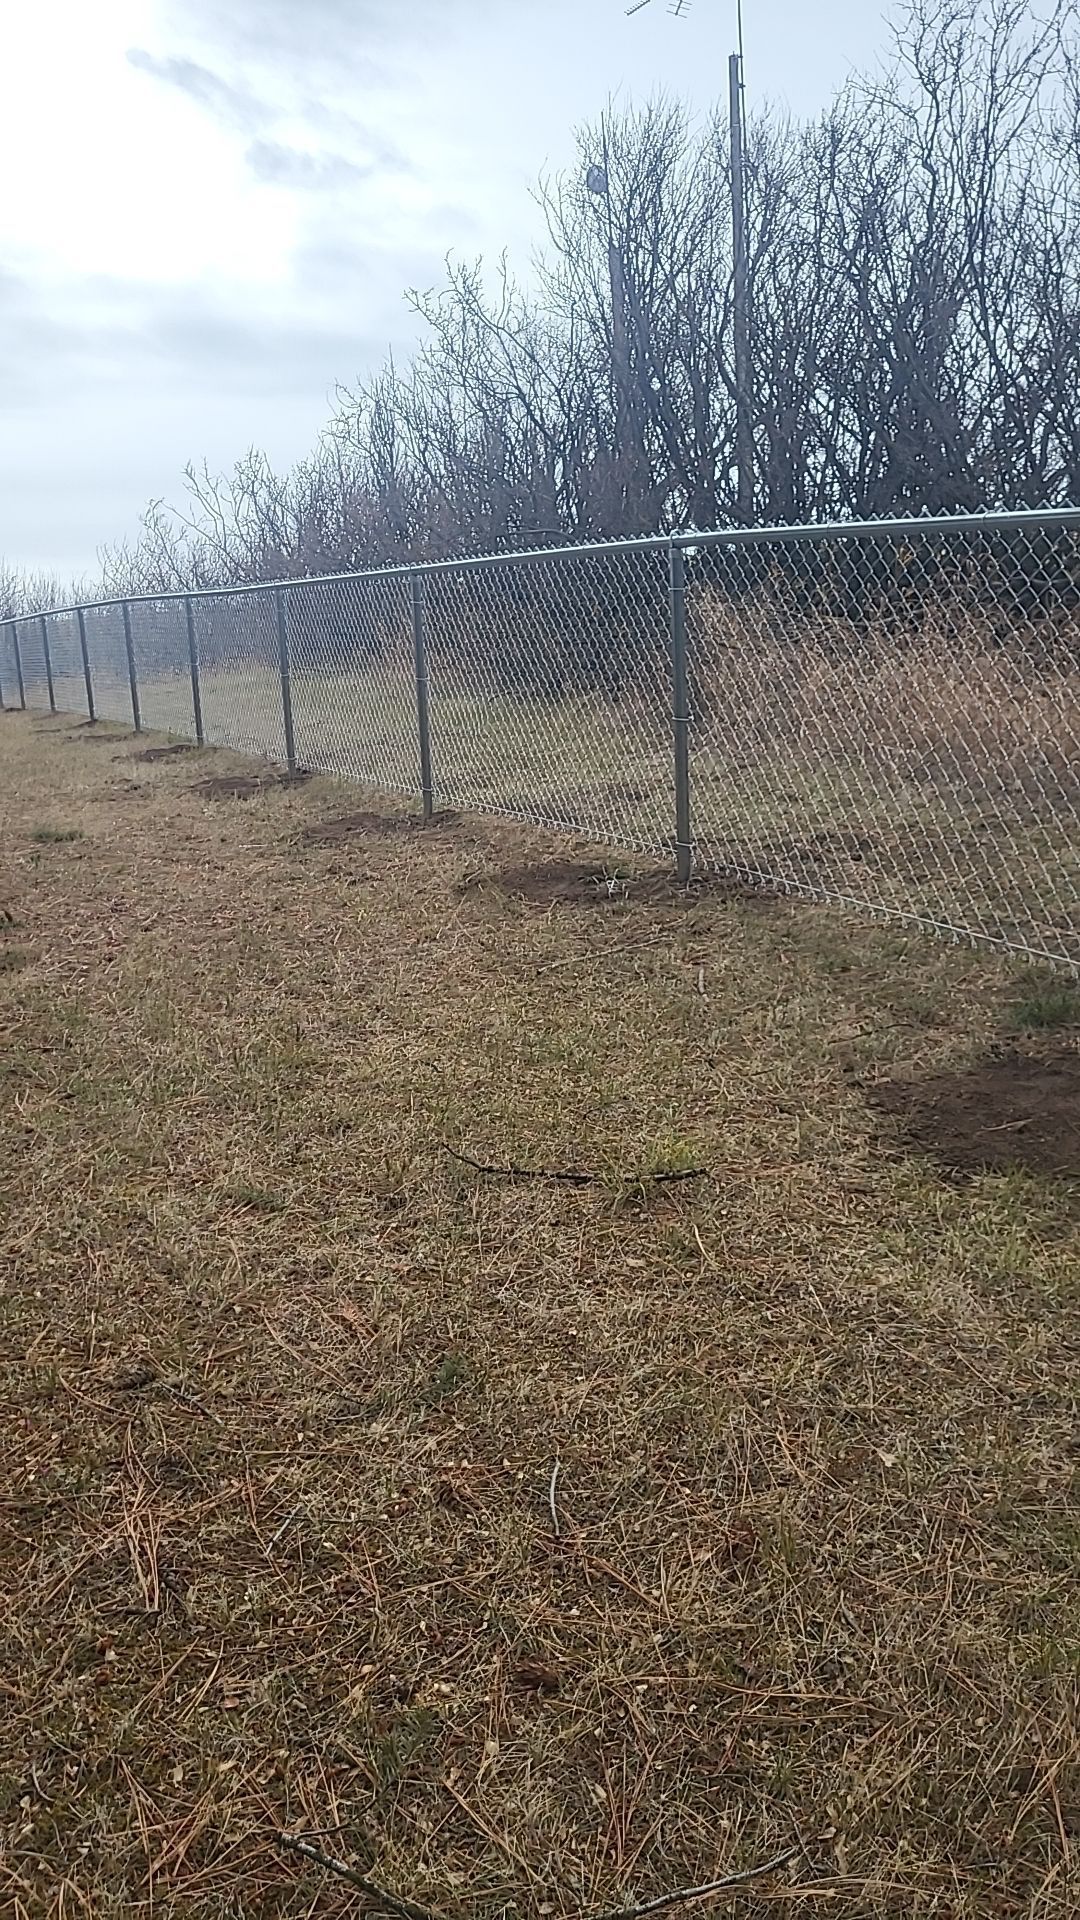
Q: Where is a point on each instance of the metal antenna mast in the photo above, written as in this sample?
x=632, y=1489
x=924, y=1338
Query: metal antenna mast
x=744, y=432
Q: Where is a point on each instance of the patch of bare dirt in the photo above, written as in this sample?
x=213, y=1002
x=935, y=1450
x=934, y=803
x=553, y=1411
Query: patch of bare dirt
x=780, y=856
x=231, y=786
x=574, y=883
x=826, y=845
x=244, y=786
x=1007, y=1113
x=387, y=825
x=152, y=754
x=628, y=794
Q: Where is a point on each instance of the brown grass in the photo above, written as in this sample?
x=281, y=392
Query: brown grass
x=926, y=771
x=287, y=1384
x=932, y=773
x=947, y=702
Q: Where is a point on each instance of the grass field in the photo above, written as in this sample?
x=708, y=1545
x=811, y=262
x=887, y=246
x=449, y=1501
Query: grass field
x=536, y=1546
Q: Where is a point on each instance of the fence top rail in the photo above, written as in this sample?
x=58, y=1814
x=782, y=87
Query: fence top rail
x=1027, y=518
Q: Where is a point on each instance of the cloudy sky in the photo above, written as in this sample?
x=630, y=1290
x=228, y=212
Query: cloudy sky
x=211, y=207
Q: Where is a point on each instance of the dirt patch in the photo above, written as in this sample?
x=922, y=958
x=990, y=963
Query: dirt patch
x=821, y=847
x=151, y=754
x=89, y=733
x=244, y=786
x=625, y=792
x=1006, y=1113
x=779, y=857
x=572, y=883
x=231, y=786
x=386, y=825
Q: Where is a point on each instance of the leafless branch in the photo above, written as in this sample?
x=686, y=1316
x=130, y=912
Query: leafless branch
x=406, y=1909
x=684, y=1894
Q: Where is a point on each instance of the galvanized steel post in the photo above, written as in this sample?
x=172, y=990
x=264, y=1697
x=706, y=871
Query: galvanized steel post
x=193, y=660
x=286, y=680
x=85, y=651
x=423, y=709
x=48, y=662
x=680, y=703
x=132, y=677
x=18, y=664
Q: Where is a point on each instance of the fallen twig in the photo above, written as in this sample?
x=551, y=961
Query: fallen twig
x=292, y=1515
x=408, y=1909
x=189, y=1399
x=551, y=1497
x=583, y=955
x=569, y=1176
x=682, y=1894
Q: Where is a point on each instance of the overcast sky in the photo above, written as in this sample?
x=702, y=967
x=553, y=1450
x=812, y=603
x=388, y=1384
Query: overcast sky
x=210, y=208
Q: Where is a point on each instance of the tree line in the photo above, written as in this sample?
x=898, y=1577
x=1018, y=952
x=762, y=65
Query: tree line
x=914, y=297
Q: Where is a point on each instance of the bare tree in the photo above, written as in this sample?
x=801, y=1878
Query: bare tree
x=914, y=280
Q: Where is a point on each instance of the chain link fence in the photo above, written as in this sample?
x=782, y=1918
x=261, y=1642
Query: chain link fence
x=884, y=715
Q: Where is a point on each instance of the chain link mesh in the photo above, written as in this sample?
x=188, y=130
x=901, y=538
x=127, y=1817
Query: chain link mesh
x=9, y=672
x=108, y=660
x=159, y=643
x=353, y=679
x=887, y=717
x=19, y=643
x=237, y=643
x=32, y=652
x=550, y=692
x=65, y=655
x=894, y=722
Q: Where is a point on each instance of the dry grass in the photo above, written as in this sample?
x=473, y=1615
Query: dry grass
x=923, y=766
x=948, y=702
x=933, y=773
x=286, y=1386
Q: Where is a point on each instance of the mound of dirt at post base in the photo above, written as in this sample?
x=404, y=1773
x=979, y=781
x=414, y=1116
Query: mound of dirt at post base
x=245, y=786
x=577, y=883
x=386, y=826
x=1007, y=1112
x=151, y=755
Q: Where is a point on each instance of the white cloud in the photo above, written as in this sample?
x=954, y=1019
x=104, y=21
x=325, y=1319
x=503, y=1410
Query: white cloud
x=212, y=206
x=116, y=174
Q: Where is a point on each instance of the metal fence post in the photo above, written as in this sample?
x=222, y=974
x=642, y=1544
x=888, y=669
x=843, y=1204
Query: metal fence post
x=3, y=702
x=132, y=677
x=85, y=651
x=286, y=680
x=423, y=691
x=18, y=664
x=680, y=703
x=193, y=658
x=48, y=662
